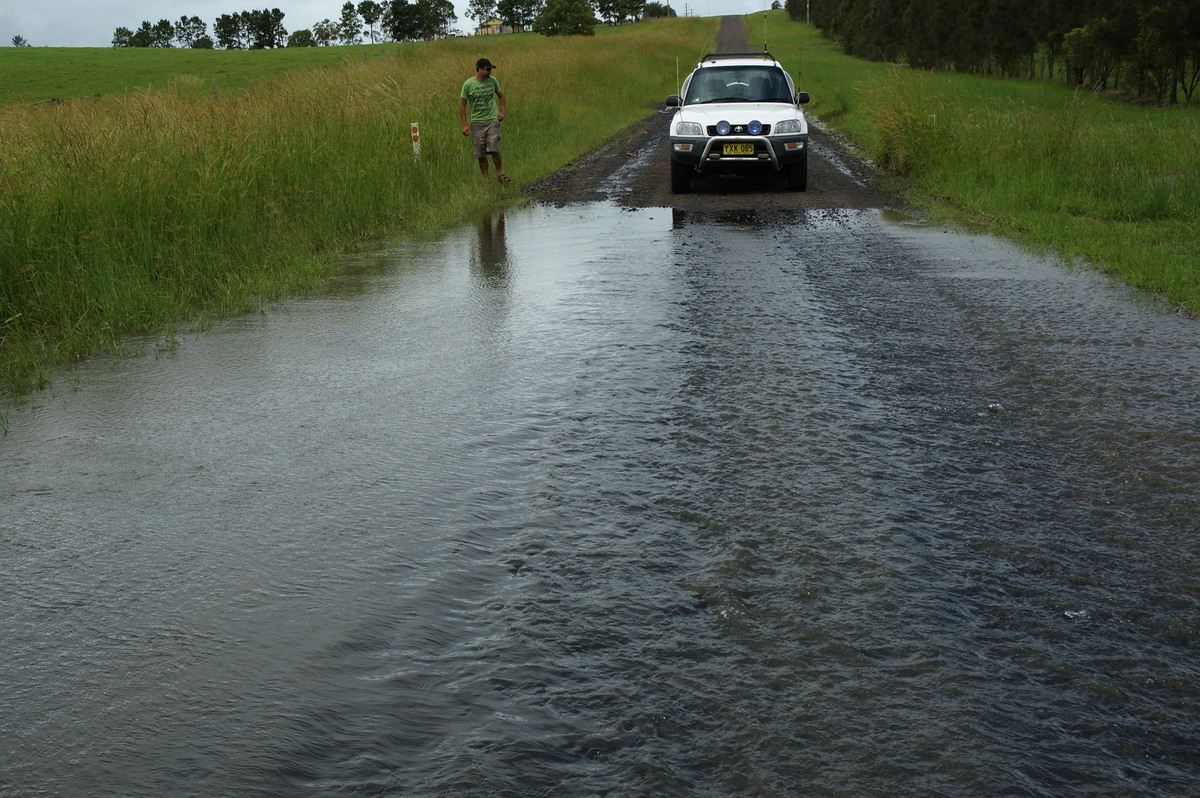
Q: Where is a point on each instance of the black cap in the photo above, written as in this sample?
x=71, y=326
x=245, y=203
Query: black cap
x=483, y=63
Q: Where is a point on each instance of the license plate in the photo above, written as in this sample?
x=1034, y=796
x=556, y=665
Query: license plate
x=737, y=149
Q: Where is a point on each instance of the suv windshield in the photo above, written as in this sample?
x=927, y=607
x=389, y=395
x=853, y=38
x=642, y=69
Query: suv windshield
x=737, y=84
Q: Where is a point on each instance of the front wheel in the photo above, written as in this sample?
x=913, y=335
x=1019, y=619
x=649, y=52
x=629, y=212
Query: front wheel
x=681, y=177
x=797, y=176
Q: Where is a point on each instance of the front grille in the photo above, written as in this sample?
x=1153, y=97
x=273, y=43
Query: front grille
x=739, y=130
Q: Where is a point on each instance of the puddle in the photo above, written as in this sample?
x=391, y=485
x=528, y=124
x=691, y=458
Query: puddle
x=442, y=527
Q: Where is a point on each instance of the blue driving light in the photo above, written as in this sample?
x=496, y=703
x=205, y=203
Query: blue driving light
x=723, y=128
x=755, y=127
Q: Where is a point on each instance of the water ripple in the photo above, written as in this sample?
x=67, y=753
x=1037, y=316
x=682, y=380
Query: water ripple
x=779, y=504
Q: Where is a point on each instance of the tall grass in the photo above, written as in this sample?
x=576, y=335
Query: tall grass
x=1085, y=174
x=127, y=214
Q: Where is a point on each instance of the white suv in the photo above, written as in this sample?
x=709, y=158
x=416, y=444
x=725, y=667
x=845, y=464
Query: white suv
x=739, y=112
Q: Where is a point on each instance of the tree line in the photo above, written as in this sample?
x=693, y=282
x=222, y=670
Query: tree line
x=388, y=20
x=542, y=15
x=397, y=20
x=1148, y=47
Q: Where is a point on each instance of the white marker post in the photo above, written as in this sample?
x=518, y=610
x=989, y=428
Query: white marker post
x=416, y=137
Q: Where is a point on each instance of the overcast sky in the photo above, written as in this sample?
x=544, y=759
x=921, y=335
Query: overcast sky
x=90, y=23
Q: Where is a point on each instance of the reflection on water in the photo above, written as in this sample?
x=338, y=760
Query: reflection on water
x=760, y=219
x=594, y=500
x=491, y=261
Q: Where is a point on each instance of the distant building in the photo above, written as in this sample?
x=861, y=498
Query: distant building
x=492, y=26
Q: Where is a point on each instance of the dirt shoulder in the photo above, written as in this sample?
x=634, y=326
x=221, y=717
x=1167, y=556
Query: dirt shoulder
x=633, y=169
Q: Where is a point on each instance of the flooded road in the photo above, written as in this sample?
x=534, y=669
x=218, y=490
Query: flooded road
x=593, y=500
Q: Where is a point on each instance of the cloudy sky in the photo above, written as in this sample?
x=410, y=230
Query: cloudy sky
x=90, y=23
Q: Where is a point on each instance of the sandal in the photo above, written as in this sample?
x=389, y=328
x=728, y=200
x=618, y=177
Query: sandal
x=502, y=178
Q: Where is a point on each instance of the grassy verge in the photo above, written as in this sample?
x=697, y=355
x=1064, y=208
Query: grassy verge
x=127, y=214
x=1082, y=174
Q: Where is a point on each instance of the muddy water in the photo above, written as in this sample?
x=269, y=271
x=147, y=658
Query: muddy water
x=592, y=501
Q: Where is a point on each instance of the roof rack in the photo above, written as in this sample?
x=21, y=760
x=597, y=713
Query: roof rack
x=717, y=56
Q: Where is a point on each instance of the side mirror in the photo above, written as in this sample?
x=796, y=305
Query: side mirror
x=802, y=97
x=674, y=101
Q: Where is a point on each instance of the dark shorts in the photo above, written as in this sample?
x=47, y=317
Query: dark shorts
x=485, y=138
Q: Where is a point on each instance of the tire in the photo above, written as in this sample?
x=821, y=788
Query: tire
x=681, y=177
x=797, y=176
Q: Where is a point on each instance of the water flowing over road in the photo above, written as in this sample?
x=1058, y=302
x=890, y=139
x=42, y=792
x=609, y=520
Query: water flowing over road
x=604, y=500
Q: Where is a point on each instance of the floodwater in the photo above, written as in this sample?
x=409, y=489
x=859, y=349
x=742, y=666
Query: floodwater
x=598, y=501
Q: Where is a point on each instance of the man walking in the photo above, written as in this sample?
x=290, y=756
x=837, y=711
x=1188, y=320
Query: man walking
x=481, y=108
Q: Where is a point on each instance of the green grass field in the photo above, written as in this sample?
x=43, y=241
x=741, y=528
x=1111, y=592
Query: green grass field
x=35, y=74
x=1080, y=174
x=164, y=201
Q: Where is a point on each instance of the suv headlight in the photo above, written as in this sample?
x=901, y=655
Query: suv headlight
x=689, y=129
x=789, y=126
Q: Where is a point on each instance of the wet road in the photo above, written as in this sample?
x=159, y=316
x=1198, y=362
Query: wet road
x=592, y=500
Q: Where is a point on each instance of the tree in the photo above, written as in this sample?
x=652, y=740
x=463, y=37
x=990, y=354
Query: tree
x=1161, y=48
x=350, y=25
x=481, y=10
x=189, y=30
x=142, y=36
x=1191, y=64
x=19, y=41
x=653, y=10
x=617, y=12
x=436, y=16
x=164, y=34
x=230, y=31
x=159, y=34
x=519, y=14
x=1011, y=41
x=302, y=38
x=122, y=37
x=1090, y=58
x=401, y=21
x=325, y=33
x=1146, y=46
x=925, y=34
x=607, y=9
x=371, y=12
x=566, y=18
x=629, y=10
x=265, y=28
x=424, y=19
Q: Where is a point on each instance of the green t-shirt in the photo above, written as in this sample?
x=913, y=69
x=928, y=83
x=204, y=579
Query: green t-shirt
x=481, y=98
